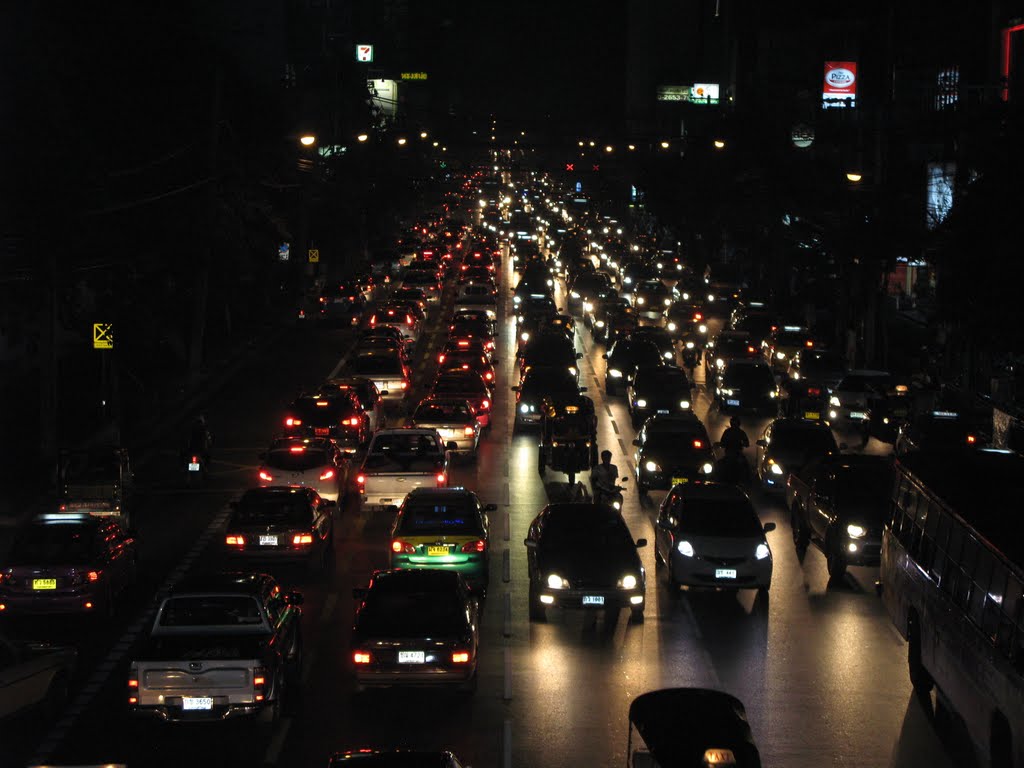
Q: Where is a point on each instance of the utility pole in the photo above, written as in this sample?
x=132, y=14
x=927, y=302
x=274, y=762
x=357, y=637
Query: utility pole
x=48, y=369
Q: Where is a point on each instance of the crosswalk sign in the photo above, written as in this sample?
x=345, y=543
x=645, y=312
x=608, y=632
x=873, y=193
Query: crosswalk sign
x=314, y=255
x=102, y=335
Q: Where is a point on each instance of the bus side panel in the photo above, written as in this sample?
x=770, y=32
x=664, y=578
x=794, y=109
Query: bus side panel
x=894, y=589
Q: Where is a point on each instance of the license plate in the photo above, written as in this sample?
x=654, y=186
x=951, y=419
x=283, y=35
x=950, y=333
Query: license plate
x=193, y=703
x=732, y=402
x=44, y=583
x=593, y=599
x=680, y=480
x=411, y=657
x=386, y=501
x=858, y=415
x=663, y=410
x=446, y=432
x=437, y=551
x=268, y=541
x=814, y=415
x=193, y=466
x=725, y=573
x=321, y=430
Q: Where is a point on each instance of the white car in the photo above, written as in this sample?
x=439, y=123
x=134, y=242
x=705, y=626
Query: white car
x=311, y=462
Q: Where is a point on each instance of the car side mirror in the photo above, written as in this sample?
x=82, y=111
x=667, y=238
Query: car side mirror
x=529, y=543
x=294, y=598
x=762, y=442
x=490, y=507
x=641, y=543
x=769, y=527
x=359, y=593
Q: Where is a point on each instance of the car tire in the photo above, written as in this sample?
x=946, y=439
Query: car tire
x=801, y=535
x=537, y=610
x=636, y=615
x=271, y=713
x=834, y=559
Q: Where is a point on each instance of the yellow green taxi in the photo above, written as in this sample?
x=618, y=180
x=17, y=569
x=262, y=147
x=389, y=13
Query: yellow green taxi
x=445, y=529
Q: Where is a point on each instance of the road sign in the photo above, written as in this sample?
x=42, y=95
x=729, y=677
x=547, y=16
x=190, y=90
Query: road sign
x=314, y=255
x=570, y=166
x=364, y=52
x=283, y=251
x=102, y=335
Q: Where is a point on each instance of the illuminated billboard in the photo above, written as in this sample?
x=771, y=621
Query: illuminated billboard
x=839, y=88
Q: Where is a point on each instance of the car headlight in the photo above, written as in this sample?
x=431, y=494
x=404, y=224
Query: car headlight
x=557, y=582
x=524, y=408
x=774, y=468
x=834, y=401
x=762, y=552
x=726, y=391
x=780, y=355
x=668, y=302
x=685, y=548
x=639, y=299
x=520, y=318
x=720, y=363
x=616, y=505
x=517, y=299
x=574, y=295
x=587, y=306
x=855, y=531
x=796, y=375
x=628, y=581
x=711, y=297
x=679, y=267
x=686, y=296
x=669, y=355
x=773, y=393
x=671, y=326
x=684, y=404
x=572, y=371
x=708, y=468
x=551, y=283
x=599, y=324
x=615, y=373
x=650, y=466
x=525, y=336
x=641, y=403
x=702, y=328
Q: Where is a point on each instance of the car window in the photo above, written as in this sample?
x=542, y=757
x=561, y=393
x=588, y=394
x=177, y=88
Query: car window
x=273, y=509
x=457, y=412
x=460, y=384
x=806, y=440
x=59, y=544
x=297, y=461
x=411, y=613
x=380, y=366
x=411, y=443
x=716, y=517
x=453, y=517
x=210, y=610
x=572, y=532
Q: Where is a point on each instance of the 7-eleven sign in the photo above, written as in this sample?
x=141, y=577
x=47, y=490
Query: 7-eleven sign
x=364, y=52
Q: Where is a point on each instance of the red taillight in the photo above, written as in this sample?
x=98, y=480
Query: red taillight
x=400, y=547
x=468, y=431
x=475, y=546
x=235, y=541
x=327, y=475
x=259, y=680
x=460, y=657
x=361, y=657
x=297, y=449
x=195, y=459
x=440, y=358
x=404, y=384
x=488, y=375
x=464, y=267
x=808, y=343
x=292, y=422
x=698, y=316
x=408, y=319
x=266, y=477
x=360, y=479
x=133, y=682
x=353, y=422
x=300, y=539
x=698, y=443
x=750, y=349
x=94, y=575
x=813, y=391
x=463, y=343
x=465, y=366
x=440, y=479
x=971, y=439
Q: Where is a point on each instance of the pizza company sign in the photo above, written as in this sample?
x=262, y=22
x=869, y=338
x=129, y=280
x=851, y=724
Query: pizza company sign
x=840, y=83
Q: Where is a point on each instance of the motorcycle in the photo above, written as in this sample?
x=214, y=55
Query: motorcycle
x=195, y=469
x=731, y=468
x=611, y=498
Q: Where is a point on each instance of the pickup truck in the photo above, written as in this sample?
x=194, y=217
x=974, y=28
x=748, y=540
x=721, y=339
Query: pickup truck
x=34, y=676
x=839, y=504
x=221, y=646
x=399, y=460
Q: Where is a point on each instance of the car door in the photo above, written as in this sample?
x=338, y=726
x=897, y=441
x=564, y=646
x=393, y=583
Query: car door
x=663, y=536
x=819, y=510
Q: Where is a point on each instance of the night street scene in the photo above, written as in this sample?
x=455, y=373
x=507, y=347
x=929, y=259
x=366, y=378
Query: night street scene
x=558, y=384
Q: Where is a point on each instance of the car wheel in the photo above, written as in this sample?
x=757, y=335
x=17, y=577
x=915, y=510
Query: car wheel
x=801, y=536
x=673, y=583
x=271, y=713
x=834, y=559
x=636, y=616
x=537, y=609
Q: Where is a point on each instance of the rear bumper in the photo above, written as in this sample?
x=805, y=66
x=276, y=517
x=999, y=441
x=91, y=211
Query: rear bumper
x=403, y=676
x=60, y=604
x=173, y=712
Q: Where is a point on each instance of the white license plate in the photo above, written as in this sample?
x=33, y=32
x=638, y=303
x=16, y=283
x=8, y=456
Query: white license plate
x=725, y=573
x=732, y=402
x=858, y=415
x=386, y=501
x=663, y=410
x=593, y=599
x=411, y=657
x=268, y=541
x=446, y=432
x=193, y=703
x=193, y=466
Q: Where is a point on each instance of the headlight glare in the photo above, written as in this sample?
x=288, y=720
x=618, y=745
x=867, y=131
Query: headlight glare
x=650, y=466
x=557, y=582
x=762, y=551
x=855, y=531
x=685, y=548
x=629, y=581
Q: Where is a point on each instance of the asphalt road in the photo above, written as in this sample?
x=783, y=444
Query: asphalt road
x=822, y=672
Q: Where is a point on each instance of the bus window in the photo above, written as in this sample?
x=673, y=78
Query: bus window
x=956, y=545
x=982, y=581
x=968, y=561
x=940, y=524
x=994, y=601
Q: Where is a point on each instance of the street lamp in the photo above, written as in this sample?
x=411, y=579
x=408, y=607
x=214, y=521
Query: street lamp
x=423, y=134
x=307, y=140
x=664, y=145
x=853, y=176
x=580, y=143
x=631, y=147
x=362, y=137
x=719, y=144
x=591, y=143
x=436, y=143
x=608, y=148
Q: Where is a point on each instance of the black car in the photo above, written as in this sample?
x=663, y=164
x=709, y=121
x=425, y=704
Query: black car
x=333, y=413
x=747, y=385
x=651, y=298
x=658, y=336
x=535, y=306
x=617, y=321
x=671, y=450
x=415, y=627
x=340, y=303
x=684, y=320
x=818, y=366
x=788, y=445
x=583, y=556
x=549, y=349
x=595, y=306
x=542, y=382
x=536, y=281
x=726, y=346
x=585, y=288
x=623, y=359
x=937, y=431
x=281, y=524
x=660, y=389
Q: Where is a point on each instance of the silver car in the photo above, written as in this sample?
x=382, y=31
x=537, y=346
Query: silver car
x=315, y=463
x=453, y=419
x=709, y=536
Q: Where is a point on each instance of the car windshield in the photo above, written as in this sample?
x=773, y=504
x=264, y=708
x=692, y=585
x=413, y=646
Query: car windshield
x=550, y=380
x=477, y=291
x=748, y=375
x=437, y=412
x=717, y=517
x=792, y=338
x=660, y=380
x=820, y=363
x=60, y=544
x=412, y=613
x=273, y=509
x=296, y=461
x=804, y=440
x=410, y=444
x=447, y=385
x=866, y=484
x=676, y=442
x=420, y=278
x=329, y=412
x=736, y=347
x=575, y=532
x=452, y=517
x=210, y=611
x=376, y=366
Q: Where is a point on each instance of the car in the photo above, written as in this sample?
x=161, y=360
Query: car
x=470, y=331
x=331, y=413
x=596, y=306
x=478, y=296
x=818, y=366
x=415, y=627
x=472, y=314
x=787, y=445
x=850, y=402
x=938, y=431
x=709, y=535
x=722, y=296
x=623, y=359
x=395, y=315
x=381, y=344
x=661, y=389
x=394, y=758
x=366, y=393
x=426, y=279
x=410, y=294
x=549, y=349
x=466, y=385
x=672, y=450
x=477, y=362
x=68, y=563
x=281, y=524
x=386, y=369
x=34, y=678
x=446, y=528
x=746, y=385
x=651, y=298
x=454, y=419
x=757, y=323
x=660, y=337
x=784, y=342
x=686, y=322
x=315, y=463
x=585, y=288
x=535, y=306
x=726, y=346
x=619, y=320
x=540, y=382
x=340, y=303
x=803, y=399
x=478, y=276
x=536, y=282
x=582, y=555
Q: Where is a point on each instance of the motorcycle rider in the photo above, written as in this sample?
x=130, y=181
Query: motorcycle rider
x=604, y=477
x=200, y=440
x=733, y=441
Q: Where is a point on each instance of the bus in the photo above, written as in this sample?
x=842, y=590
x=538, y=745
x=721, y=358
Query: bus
x=952, y=576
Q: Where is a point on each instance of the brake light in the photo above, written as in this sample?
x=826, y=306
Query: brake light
x=750, y=349
x=464, y=267
x=327, y=475
x=465, y=366
x=971, y=439
x=408, y=319
x=402, y=548
x=259, y=679
x=195, y=459
x=475, y=546
x=463, y=343
x=297, y=449
x=265, y=477
x=300, y=539
x=488, y=375
x=133, y=686
x=94, y=575
x=133, y=682
x=322, y=403
x=813, y=391
x=440, y=358
x=353, y=422
x=698, y=316
x=808, y=343
x=361, y=657
x=698, y=443
x=460, y=657
x=292, y=422
x=404, y=384
x=235, y=541
x=440, y=479
x=360, y=479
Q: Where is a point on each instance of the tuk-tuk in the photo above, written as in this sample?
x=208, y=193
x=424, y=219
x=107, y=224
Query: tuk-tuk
x=568, y=436
x=889, y=411
x=802, y=399
x=97, y=480
x=689, y=728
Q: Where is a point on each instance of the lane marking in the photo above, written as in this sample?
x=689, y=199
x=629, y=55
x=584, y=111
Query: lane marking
x=615, y=427
x=608, y=408
x=622, y=445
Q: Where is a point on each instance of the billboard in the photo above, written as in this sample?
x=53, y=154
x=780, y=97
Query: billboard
x=384, y=96
x=704, y=93
x=839, y=87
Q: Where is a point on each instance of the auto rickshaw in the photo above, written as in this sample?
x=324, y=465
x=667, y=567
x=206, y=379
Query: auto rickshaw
x=568, y=436
x=689, y=728
x=802, y=399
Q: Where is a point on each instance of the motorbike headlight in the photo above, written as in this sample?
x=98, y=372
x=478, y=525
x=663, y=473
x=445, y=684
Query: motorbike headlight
x=671, y=326
x=525, y=335
x=615, y=373
x=557, y=582
x=572, y=371
x=599, y=323
x=587, y=306
x=616, y=505
x=639, y=299
x=702, y=328
x=720, y=363
x=628, y=581
x=641, y=403
x=773, y=393
x=834, y=401
x=650, y=466
x=780, y=355
x=855, y=531
x=762, y=552
x=708, y=468
x=574, y=295
x=685, y=548
x=774, y=468
x=689, y=345
x=517, y=299
x=684, y=404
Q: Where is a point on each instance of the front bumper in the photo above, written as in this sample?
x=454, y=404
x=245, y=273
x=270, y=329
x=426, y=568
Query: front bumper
x=602, y=597
x=867, y=552
x=714, y=573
